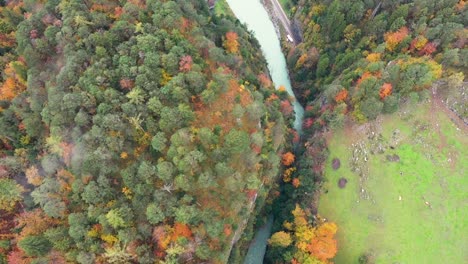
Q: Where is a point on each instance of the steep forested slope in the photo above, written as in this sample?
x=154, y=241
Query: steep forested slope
x=137, y=131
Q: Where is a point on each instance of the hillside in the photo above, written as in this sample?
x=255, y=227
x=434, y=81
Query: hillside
x=359, y=61
x=131, y=132
x=402, y=190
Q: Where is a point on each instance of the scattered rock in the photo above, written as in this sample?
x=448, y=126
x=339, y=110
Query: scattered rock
x=393, y=158
x=336, y=163
x=342, y=182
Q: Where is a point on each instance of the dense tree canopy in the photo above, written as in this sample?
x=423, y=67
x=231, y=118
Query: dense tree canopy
x=138, y=130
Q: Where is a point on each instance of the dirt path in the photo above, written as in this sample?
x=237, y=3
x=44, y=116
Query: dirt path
x=438, y=104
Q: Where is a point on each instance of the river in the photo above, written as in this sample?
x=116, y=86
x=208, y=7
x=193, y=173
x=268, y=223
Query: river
x=253, y=13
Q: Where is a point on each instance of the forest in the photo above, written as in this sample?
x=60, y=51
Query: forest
x=150, y=131
x=131, y=132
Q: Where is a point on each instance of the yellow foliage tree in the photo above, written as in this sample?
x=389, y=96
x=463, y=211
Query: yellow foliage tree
x=373, y=57
x=312, y=243
x=230, y=43
x=280, y=239
x=392, y=39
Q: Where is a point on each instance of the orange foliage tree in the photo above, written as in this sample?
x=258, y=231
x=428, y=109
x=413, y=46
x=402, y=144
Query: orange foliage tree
x=230, y=43
x=324, y=245
x=385, y=90
x=34, y=223
x=366, y=75
x=181, y=230
x=287, y=158
x=14, y=83
x=313, y=244
x=296, y=182
x=341, y=96
x=392, y=39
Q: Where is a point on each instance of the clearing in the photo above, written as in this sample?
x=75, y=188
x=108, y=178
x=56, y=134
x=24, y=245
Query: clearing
x=405, y=195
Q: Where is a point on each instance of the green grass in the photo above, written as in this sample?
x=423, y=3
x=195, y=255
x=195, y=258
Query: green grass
x=407, y=231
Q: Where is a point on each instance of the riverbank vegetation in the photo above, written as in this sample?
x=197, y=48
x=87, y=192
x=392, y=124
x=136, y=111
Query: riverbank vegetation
x=358, y=60
x=131, y=132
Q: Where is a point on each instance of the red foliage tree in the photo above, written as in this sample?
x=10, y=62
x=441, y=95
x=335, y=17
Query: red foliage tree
x=126, y=84
x=308, y=122
x=286, y=107
x=18, y=257
x=264, y=80
x=185, y=63
x=428, y=49
x=296, y=137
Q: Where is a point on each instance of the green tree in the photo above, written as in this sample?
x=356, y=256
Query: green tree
x=10, y=194
x=236, y=141
x=371, y=108
x=35, y=245
x=154, y=213
x=115, y=218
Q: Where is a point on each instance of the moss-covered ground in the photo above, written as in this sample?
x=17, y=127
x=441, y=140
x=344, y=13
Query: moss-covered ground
x=406, y=196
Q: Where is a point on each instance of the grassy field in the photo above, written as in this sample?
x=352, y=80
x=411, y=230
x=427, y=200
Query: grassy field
x=409, y=211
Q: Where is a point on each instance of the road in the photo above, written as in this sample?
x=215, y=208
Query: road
x=283, y=18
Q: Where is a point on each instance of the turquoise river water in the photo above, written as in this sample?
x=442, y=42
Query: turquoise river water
x=253, y=13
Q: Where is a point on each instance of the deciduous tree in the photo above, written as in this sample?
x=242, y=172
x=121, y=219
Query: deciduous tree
x=230, y=43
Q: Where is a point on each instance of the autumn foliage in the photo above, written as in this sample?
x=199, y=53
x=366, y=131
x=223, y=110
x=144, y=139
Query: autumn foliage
x=428, y=49
x=324, y=245
x=230, y=43
x=312, y=243
x=341, y=96
x=385, y=90
x=185, y=63
x=126, y=84
x=296, y=182
x=418, y=43
x=286, y=107
x=373, y=57
x=13, y=84
x=287, y=158
x=181, y=230
x=392, y=39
